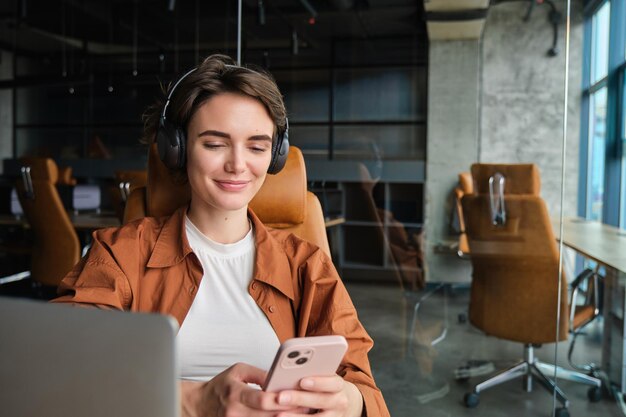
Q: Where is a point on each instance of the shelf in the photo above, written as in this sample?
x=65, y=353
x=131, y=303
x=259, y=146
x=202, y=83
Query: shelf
x=358, y=265
x=85, y=168
x=370, y=224
x=396, y=171
x=386, y=122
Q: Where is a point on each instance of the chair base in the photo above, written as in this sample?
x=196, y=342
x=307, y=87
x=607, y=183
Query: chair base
x=532, y=369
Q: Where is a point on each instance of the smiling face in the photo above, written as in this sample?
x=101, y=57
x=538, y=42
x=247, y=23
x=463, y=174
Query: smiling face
x=228, y=152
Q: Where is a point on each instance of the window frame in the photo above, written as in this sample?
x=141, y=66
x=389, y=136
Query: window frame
x=614, y=81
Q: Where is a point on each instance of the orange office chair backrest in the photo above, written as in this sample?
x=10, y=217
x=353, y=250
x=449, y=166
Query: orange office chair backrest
x=515, y=261
x=464, y=187
x=56, y=248
x=384, y=241
x=65, y=176
x=124, y=182
x=283, y=201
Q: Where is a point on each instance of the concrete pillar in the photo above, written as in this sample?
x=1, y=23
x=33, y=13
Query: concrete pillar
x=453, y=127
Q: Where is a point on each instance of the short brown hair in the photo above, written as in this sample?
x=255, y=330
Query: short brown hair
x=217, y=74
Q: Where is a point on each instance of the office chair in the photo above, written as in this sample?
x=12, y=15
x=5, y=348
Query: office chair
x=66, y=177
x=283, y=201
x=56, y=247
x=124, y=182
x=515, y=262
x=383, y=240
x=464, y=187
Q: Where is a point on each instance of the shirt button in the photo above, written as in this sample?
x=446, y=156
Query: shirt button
x=272, y=309
x=254, y=285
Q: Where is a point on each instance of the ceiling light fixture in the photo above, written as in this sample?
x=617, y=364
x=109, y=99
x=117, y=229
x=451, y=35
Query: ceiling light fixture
x=261, y=13
x=294, y=42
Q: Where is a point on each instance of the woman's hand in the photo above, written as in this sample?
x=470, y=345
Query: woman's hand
x=228, y=394
x=330, y=396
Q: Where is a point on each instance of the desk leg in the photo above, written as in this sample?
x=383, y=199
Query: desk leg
x=614, y=338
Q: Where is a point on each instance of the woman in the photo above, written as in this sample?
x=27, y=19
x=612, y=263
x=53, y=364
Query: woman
x=236, y=288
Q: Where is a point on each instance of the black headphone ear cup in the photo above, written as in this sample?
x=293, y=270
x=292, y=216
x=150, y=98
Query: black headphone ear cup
x=280, y=152
x=181, y=139
x=171, y=145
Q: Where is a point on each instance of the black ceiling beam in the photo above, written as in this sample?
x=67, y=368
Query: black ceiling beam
x=456, y=16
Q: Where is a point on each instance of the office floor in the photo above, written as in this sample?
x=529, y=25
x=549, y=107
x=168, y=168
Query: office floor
x=422, y=382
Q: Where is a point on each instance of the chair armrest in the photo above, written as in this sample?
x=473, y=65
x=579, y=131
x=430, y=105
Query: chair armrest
x=589, y=277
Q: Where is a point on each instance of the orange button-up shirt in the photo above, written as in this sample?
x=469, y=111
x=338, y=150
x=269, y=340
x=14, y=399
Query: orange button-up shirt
x=148, y=266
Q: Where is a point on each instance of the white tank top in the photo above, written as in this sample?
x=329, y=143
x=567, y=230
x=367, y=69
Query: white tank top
x=224, y=324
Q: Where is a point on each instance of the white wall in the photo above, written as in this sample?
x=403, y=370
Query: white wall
x=522, y=97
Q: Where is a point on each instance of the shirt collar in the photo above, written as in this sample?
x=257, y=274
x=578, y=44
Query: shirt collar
x=171, y=246
x=271, y=264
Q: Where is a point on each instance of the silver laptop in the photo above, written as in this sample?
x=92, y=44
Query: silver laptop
x=65, y=361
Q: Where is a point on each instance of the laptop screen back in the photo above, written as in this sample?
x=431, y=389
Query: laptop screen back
x=63, y=361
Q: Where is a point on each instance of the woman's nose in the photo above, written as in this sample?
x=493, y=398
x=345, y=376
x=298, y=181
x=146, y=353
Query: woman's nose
x=235, y=162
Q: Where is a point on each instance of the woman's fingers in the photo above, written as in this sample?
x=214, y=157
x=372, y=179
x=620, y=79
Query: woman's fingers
x=314, y=400
x=328, y=396
x=322, y=383
x=247, y=373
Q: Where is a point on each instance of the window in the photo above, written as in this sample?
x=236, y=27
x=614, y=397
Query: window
x=597, y=150
x=597, y=103
x=603, y=173
x=600, y=43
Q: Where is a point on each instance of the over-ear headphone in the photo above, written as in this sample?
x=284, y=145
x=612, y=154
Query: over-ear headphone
x=171, y=138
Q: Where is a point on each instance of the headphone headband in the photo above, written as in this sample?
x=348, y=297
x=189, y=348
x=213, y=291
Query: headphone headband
x=169, y=96
x=171, y=139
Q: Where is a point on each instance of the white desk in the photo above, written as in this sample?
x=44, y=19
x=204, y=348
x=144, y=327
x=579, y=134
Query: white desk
x=607, y=246
x=81, y=221
x=594, y=240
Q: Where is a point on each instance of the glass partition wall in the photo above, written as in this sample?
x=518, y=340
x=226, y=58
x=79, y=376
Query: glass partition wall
x=454, y=277
x=387, y=124
x=592, y=229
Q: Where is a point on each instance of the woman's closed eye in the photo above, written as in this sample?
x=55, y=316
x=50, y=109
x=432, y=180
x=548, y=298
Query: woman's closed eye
x=259, y=149
x=213, y=145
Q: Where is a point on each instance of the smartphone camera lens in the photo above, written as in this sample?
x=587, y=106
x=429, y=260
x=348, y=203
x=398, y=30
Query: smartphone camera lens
x=293, y=354
x=301, y=361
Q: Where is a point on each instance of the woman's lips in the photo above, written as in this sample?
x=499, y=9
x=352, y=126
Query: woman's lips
x=232, y=185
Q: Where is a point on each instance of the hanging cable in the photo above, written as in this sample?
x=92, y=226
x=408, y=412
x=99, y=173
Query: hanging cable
x=239, y=32
x=110, y=86
x=176, y=40
x=135, y=13
x=197, y=40
x=63, y=44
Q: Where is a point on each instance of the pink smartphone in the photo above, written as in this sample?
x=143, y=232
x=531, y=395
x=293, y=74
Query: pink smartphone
x=300, y=357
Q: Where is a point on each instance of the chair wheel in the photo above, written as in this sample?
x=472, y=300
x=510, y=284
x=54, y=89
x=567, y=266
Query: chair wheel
x=594, y=394
x=561, y=412
x=471, y=400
